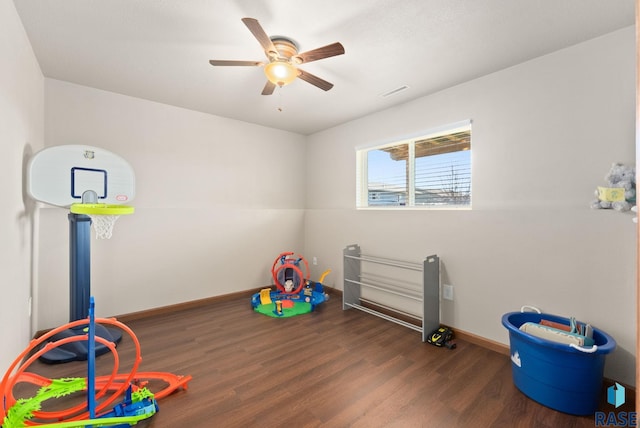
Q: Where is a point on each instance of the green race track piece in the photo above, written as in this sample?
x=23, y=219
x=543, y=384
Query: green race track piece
x=24, y=408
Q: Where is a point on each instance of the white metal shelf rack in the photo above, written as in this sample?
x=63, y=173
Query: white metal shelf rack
x=429, y=296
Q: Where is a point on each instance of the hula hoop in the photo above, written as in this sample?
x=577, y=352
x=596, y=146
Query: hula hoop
x=9, y=381
x=101, y=209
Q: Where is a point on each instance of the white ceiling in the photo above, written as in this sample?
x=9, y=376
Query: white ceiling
x=159, y=49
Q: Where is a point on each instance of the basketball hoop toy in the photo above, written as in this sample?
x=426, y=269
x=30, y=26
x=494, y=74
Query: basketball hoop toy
x=103, y=216
x=94, y=184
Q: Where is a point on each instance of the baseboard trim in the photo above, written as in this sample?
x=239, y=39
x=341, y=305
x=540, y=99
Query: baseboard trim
x=192, y=304
x=483, y=342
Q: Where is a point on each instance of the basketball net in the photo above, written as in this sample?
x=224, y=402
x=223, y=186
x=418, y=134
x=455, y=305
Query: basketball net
x=103, y=216
x=103, y=225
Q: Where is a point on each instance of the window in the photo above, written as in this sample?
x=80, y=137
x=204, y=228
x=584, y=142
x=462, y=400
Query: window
x=430, y=171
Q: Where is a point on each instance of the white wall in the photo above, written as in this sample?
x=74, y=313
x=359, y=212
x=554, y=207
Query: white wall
x=544, y=135
x=21, y=133
x=216, y=201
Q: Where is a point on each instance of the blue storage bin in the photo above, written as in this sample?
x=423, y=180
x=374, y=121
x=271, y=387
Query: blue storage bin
x=556, y=375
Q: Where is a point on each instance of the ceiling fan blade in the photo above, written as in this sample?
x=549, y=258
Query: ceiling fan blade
x=258, y=32
x=314, y=80
x=268, y=88
x=321, y=53
x=234, y=63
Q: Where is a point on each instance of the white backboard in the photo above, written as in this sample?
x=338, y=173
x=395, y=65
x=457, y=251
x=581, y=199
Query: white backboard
x=59, y=175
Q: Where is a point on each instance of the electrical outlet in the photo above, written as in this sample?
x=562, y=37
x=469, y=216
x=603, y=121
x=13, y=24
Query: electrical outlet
x=315, y=260
x=447, y=292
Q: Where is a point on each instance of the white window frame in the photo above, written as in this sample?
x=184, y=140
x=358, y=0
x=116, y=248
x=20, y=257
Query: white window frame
x=362, y=180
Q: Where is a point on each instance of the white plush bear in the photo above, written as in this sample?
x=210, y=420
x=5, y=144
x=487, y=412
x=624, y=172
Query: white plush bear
x=620, y=192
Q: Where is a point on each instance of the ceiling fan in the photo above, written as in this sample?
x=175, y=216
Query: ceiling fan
x=282, y=53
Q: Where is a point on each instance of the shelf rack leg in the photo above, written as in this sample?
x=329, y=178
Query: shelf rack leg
x=351, y=292
x=431, y=297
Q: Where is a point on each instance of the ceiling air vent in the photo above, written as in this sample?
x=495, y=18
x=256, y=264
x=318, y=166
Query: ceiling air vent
x=394, y=91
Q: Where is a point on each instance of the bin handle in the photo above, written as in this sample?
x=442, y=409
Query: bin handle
x=591, y=350
x=533, y=308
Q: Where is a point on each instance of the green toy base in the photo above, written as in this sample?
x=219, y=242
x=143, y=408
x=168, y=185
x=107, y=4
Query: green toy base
x=298, y=308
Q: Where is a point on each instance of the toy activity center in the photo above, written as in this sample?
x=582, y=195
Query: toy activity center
x=294, y=294
x=451, y=242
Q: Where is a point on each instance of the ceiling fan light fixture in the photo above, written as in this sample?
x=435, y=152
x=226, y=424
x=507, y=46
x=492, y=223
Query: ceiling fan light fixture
x=280, y=72
x=284, y=59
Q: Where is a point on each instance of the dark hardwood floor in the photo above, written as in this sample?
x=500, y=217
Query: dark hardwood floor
x=330, y=368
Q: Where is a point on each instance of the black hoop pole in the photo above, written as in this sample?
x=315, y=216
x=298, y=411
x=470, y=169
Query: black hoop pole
x=79, y=266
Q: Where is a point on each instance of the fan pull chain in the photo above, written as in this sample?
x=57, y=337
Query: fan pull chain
x=279, y=90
